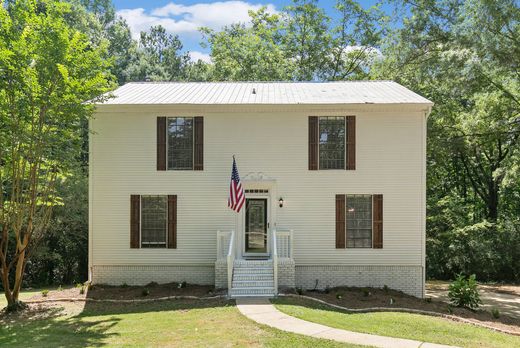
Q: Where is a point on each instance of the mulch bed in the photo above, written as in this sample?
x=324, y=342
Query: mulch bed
x=357, y=298
x=150, y=291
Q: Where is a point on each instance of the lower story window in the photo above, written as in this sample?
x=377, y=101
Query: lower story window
x=154, y=218
x=359, y=221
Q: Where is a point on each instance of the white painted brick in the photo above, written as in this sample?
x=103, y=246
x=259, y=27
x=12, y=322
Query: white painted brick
x=142, y=275
x=407, y=279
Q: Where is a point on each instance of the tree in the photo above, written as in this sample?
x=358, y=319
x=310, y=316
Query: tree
x=250, y=53
x=48, y=70
x=159, y=57
x=307, y=39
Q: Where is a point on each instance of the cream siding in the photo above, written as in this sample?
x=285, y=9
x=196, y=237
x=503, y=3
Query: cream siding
x=271, y=140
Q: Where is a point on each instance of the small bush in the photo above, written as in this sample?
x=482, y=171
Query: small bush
x=79, y=285
x=339, y=295
x=124, y=285
x=82, y=290
x=365, y=292
x=182, y=285
x=428, y=299
x=60, y=288
x=145, y=292
x=299, y=291
x=463, y=292
x=495, y=313
x=386, y=289
x=45, y=293
x=152, y=284
x=392, y=301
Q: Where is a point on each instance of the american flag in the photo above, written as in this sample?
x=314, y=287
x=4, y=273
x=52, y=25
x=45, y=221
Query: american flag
x=236, y=192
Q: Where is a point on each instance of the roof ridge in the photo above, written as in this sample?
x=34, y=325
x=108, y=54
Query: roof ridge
x=250, y=82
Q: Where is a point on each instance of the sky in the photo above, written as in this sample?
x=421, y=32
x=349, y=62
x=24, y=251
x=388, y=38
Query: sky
x=184, y=17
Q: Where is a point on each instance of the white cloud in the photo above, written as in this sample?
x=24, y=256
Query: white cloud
x=196, y=55
x=186, y=19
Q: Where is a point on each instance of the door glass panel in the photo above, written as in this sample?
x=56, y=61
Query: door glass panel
x=256, y=225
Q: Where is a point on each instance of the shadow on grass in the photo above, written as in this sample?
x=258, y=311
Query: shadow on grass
x=40, y=326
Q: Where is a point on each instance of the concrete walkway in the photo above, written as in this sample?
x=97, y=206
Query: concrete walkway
x=263, y=312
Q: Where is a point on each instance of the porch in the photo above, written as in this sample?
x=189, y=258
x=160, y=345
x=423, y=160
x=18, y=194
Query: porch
x=247, y=274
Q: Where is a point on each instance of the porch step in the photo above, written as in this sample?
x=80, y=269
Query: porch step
x=252, y=278
x=238, y=284
x=248, y=271
x=252, y=292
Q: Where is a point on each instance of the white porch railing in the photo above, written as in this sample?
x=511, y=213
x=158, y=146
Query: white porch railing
x=275, y=262
x=284, y=244
x=226, y=250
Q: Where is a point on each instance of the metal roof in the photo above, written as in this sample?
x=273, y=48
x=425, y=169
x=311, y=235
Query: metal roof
x=197, y=93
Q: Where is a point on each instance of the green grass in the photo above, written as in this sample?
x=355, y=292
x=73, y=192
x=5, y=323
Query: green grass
x=402, y=325
x=166, y=323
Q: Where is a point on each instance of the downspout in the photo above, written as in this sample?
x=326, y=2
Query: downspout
x=423, y=199
x=90, y=202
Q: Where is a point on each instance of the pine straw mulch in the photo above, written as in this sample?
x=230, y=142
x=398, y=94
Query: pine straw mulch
x=357, y=298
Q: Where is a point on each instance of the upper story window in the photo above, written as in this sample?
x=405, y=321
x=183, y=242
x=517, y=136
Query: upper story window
x=154, y=218
x=180, y=143
x=332, y=142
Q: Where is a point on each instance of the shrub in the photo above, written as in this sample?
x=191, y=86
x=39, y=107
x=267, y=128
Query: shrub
x=299, y=291
x=124, y=285
x=152, y=284
x=339, y=295
x=495, y=313
x=45, y=293
x=449, y=309
x=79, y=285
x=60, y=288
x=82, y=290
x=386, y=289
x=392, y=301
x=463, y=292
x=365, y=292
x=145, y=292
x=182, y=285
x=428, y=299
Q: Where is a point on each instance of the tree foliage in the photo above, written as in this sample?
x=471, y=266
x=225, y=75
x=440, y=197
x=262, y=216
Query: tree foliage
x=49, y=70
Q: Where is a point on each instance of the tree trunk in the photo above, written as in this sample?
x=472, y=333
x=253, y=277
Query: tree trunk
x=492, y=201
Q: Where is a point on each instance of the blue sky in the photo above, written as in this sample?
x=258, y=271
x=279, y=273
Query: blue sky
x=184, y=17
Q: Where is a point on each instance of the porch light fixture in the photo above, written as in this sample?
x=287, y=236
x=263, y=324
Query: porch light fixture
x=280, y=202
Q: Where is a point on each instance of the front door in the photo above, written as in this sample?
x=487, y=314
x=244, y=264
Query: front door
x=256, y=226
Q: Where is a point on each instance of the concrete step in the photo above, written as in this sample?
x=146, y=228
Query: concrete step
x=251, y=292
x=253, y=271
x=254, y=277
x=238, y=284
x=249, y=263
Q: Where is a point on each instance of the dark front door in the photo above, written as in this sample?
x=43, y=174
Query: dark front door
x=256, y=225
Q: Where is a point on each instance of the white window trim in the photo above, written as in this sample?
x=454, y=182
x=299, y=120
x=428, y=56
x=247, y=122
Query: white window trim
x=168, y=143
x=141, y=223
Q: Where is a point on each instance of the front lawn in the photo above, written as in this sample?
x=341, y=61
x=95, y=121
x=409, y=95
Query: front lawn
x=402, y=325
x=177, y=323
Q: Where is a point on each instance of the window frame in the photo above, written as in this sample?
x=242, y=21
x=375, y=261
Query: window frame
x=152, y=245
x=345, y=151
x=371, y=221
x=168, y=143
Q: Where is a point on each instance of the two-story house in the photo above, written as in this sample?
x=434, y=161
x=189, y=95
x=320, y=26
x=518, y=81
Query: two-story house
x=333, y=173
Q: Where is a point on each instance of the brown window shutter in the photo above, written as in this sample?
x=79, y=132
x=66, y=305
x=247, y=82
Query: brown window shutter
x=340, y=221
x=351, y=143
x=135, y=217
x=172, y=221
x=313, y=142
x=198, y=149
x=377, y=223
x=161, y=143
